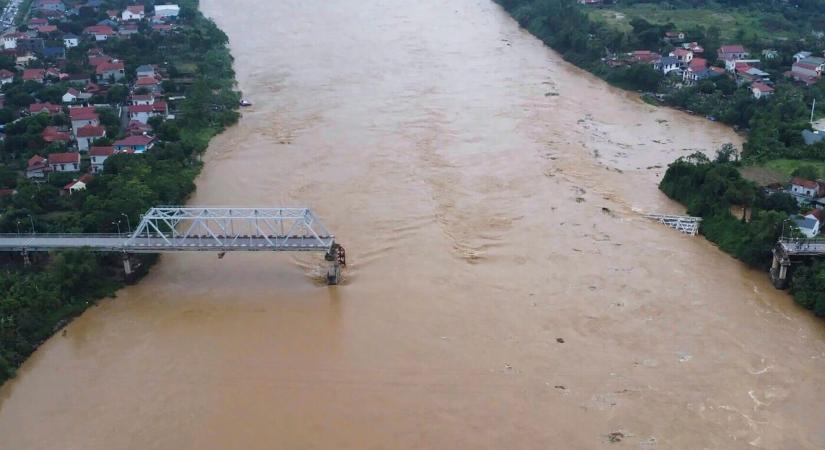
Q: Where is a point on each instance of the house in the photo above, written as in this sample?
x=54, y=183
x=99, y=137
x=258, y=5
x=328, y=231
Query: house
x=805, y=72
x=732, y=52
x=97, y=60
x=128, y=29
x=78, y=79
x=162, y=28
x=82, y=116
x=73, y=95
x=149, y=83
x=170, y=11
x=807, y=188
x=142, y=113
x=70, y=40
x=98, y=156
x=46, y=29
x=88, y=134
x=812, y=137
x=38, y=21
x=684, y=56
x=99, y=32
x=761, y=90
x=44, y=108
x=808, y=225
x=7, y=192
x=78, y=185
x=10, y=40
x=674, y=36
x=38, y=75
x=113, y=71
x=24, y=59
x=667, y=64
x=134, y=144
x=800, y=56
x=113, y=14
x=145, y=70
x=133, y=12
x=747, y=74
x=48, y=5
x=6, y=77
x=769, y=54
x=142, y=99
x=64, y=162
x=37, y=167
x=53, y=134
x=136, y=128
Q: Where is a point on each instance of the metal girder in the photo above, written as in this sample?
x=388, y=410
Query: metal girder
x=685, y=224
x=219, y=229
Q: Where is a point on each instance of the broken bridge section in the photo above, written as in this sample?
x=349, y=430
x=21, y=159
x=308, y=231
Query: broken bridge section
x=215, y=229
x=684, y=224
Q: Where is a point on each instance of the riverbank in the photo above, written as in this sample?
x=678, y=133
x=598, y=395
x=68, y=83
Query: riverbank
x=192, y=61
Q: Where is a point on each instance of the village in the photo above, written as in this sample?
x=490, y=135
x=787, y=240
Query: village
x=75, y=140
x=688, y=63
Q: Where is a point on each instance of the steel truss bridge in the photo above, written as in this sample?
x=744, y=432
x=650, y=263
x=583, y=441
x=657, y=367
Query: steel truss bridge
x=187, y=229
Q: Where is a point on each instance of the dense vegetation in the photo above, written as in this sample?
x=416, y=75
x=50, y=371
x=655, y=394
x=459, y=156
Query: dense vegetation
x=35, y=301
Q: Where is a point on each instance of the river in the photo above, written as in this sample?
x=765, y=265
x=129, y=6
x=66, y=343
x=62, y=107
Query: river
x=503, y=290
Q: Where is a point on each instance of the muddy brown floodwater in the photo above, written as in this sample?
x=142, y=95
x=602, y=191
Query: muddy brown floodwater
x=491, y=302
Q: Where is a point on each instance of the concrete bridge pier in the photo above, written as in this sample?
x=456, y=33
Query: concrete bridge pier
x=26, y=260
x=779, y=269
x=128, y=271
x=336, y=259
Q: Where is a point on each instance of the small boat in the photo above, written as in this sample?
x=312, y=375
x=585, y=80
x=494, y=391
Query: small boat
x=246, y=103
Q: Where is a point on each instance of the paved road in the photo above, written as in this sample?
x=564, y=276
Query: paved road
x=9, y=13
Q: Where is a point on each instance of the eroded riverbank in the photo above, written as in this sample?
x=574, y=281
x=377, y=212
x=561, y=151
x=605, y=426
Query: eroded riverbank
x=471, y=203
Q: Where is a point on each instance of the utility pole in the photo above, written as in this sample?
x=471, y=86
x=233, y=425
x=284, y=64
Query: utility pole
x=813, y=106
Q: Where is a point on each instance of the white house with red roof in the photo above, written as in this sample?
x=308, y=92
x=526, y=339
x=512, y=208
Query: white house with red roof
x=110, y=71
x=98, y=156
x=37, y=168
x=79, y=184
x=54, y=134
x=38, y=75
x=761, y=90
x=134, y=144
x=150, y=83
x=732, y=52
x=142, y=113
x=88, y=134
x=45, y=108
x=807, y=188
x=6, y=77
x=99, y=32
x=82, y=116
x=133, y=12
x=683, y=55
x=64, y=162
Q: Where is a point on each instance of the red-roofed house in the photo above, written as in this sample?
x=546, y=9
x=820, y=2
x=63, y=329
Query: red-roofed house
x=136, y=128
x=807, y=188
x=683, y=55
x=803, y=70
x=98, y=156
x=6, y=77
x=53, y=134
x=88, y=134
x=134, y=144
x=97, y=60
x=45, y=29
x=38, y=75
x=142, y=113
x=133, y=12
x=694, y=47
x=37, y=167
x=47, y=108
x=150, y=83
x=731, y=52
x=110, y=71
x=64, y=162
x=645, y=56
x=761, y=90
x=79, y=184
x=82, y=116
x=100, y=32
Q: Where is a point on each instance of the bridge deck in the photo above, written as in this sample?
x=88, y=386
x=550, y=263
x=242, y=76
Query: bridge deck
x=803, y=247
x=157, y=244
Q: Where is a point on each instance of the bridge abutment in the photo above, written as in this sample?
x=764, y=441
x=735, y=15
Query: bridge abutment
x=128, y=270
